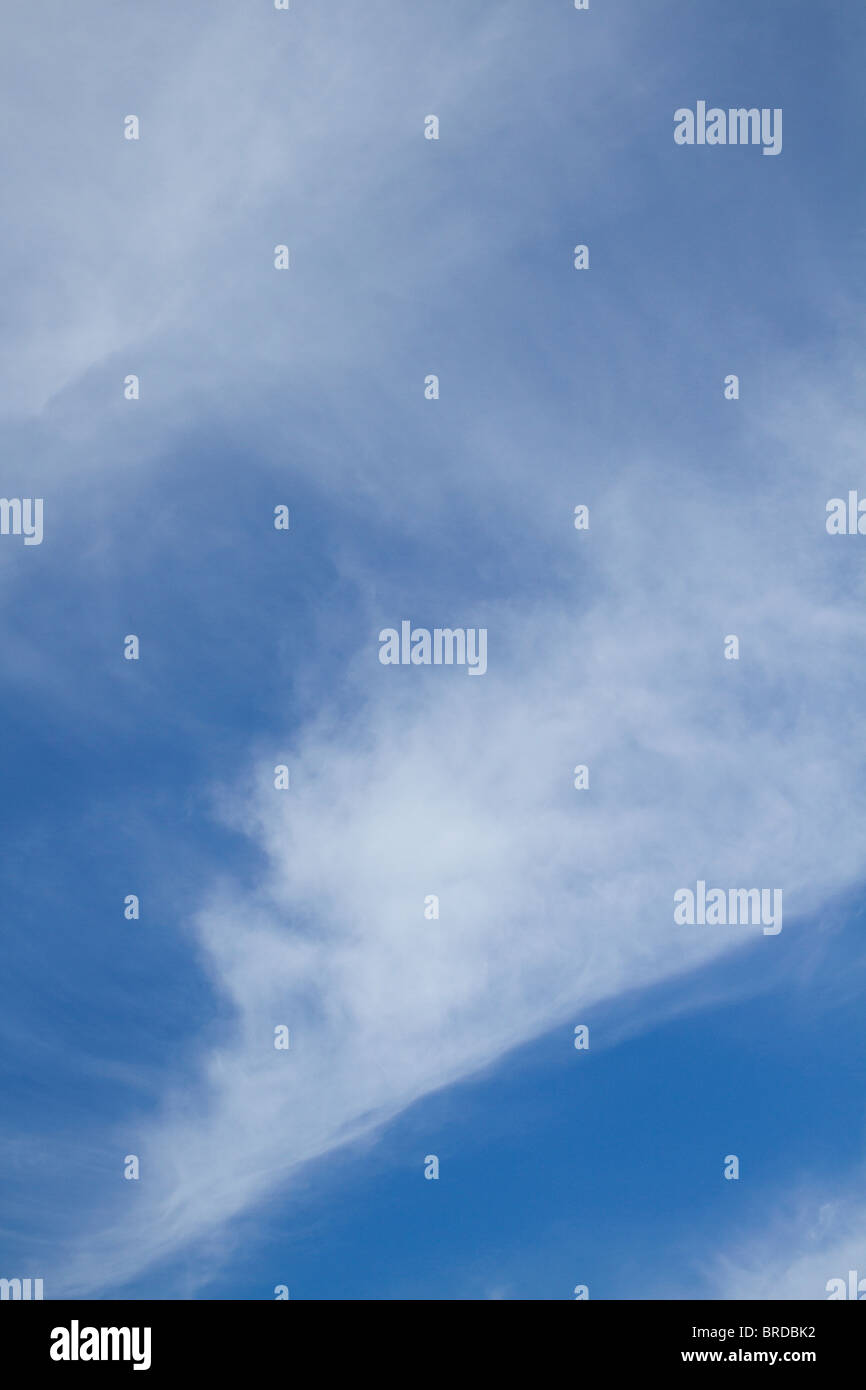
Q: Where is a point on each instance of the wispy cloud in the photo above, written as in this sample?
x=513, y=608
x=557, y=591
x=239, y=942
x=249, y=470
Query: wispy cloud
x=809, y=1241
x=551, y=899
x=604, y=648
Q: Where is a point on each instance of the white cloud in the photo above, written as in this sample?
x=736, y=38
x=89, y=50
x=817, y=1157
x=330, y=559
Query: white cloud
x=811, y=1242
x=256, y=129
x=551, y=899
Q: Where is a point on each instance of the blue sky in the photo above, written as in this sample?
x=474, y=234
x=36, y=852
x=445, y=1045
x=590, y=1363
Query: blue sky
x=259, y=647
